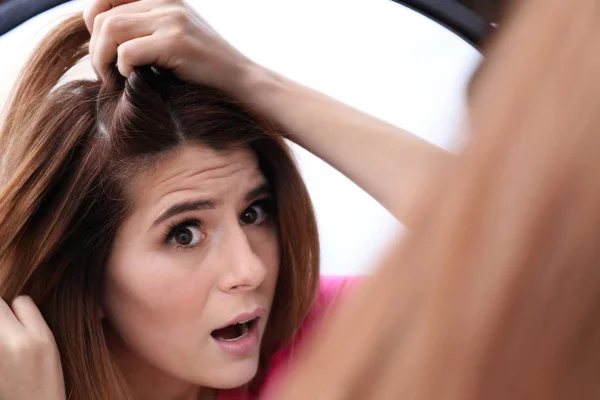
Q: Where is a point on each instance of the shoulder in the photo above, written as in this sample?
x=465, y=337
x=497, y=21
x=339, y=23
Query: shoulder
x=332, y=288
x=331, y=291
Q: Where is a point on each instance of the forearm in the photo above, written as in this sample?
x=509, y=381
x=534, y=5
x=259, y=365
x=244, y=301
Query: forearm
x=387, y=162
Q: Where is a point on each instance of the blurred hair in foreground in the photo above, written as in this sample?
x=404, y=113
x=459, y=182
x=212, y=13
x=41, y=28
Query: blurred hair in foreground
x=496, y=293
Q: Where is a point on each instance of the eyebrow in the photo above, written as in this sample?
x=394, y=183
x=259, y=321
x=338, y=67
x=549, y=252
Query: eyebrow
x=258, y=191
x=207, y=204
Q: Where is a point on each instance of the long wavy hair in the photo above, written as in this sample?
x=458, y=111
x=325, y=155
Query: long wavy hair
x=67, y=152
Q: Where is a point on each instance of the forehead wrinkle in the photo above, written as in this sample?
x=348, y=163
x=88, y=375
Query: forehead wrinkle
x=219, y=169
x=256, y=179
x=185, y=171
x=214, y=173
x=186, y=174
x=157, y=170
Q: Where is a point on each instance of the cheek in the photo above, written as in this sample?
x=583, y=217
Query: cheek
x=155, y=300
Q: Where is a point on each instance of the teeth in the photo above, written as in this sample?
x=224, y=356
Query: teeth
x=243, y=328
x=245, y=331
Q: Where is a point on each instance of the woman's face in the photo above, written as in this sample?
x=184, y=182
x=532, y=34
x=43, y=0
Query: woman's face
x=198, y=252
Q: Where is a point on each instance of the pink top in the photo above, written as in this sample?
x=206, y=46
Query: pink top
x=330, y=289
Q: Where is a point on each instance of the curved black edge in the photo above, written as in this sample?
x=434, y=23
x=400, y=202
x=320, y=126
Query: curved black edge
x=15, y=12
x=453, y=15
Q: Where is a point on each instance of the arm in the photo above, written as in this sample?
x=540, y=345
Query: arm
x=387, y=162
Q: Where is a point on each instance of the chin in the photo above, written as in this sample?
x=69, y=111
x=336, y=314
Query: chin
x=234, y=374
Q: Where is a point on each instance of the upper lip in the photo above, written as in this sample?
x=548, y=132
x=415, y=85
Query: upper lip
x=245, y=316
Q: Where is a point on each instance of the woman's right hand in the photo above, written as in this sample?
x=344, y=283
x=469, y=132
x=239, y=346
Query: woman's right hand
x=166, y=33
x=30, y=367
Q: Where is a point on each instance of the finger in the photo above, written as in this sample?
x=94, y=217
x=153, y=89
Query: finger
x=116, y=30
x=8, y=320
x=115, y=15
x=148, y=50
x=136, y=7
x=98, y=7
x=29, y=315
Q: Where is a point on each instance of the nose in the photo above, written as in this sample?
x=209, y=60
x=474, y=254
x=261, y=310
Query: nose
x=243, y=268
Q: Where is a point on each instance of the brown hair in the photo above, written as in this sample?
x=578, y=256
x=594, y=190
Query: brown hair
x=66, y=152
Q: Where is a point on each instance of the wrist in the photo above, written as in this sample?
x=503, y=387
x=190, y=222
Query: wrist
x=252, y=81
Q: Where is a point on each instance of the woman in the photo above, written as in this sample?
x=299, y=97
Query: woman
x=165, y=247
x=495, y=295
x=157, y=224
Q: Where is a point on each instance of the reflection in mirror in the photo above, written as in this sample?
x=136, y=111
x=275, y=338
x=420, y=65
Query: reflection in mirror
x=376, y=55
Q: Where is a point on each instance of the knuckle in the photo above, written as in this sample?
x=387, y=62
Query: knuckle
x=171, y=2
x=98, y=21
x=178, y=16
x=19, y=346
x=44, y=341
x=111, y=24
x=174, y=38
x=97, y=3
x=177, y=37
x=25, y=345
x=124, y=52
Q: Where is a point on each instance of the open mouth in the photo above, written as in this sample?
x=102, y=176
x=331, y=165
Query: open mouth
x=236, y=331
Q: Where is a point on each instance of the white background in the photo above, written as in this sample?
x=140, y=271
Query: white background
x=375, y=55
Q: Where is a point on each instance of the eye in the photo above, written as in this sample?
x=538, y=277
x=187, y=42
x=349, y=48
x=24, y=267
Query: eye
x=185, y=234
x=257, y=213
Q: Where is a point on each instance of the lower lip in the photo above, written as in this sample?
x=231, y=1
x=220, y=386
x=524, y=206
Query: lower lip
x=241, y=347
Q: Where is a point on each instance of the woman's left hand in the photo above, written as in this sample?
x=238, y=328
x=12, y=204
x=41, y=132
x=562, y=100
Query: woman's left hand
x=165, y=33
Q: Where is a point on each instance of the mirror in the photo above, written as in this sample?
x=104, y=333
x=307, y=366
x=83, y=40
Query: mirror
x=376, y=55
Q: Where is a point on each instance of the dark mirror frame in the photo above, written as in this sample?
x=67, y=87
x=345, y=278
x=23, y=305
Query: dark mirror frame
x=458, y=16
x=15, y=12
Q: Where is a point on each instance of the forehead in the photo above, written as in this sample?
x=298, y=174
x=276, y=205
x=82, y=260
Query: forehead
x=197, y=170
